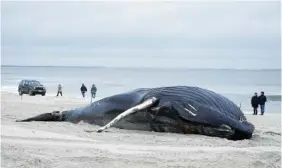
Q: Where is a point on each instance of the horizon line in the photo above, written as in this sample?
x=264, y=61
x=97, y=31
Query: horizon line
x=124, y=67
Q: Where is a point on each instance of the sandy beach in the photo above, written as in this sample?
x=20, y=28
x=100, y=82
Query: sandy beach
x=62, y=144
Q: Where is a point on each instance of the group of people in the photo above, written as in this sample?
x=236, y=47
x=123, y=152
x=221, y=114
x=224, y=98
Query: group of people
x=258, y=101
x=83, y=90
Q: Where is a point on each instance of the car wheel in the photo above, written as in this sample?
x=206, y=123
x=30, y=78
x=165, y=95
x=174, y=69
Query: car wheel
x=31, y=93
x=20, y=92
x=43, y=94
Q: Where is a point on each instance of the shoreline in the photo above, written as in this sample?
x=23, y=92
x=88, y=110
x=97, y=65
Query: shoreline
x=87, y=99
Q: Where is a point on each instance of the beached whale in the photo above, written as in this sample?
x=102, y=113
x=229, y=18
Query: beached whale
x=177, y=109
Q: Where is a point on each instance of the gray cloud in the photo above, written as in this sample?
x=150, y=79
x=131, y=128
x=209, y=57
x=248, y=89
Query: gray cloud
x=166, y=30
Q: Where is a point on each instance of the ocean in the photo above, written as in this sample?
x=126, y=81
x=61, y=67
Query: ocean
x=237, y=85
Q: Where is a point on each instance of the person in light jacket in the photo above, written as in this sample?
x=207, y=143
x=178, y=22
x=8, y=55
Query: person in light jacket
x=60, y=90
x=93, y=91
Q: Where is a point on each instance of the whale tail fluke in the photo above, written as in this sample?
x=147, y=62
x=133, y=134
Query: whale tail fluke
x=54, y=116
x=25, y=120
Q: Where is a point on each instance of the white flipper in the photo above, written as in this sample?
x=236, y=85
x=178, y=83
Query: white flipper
x=132, y=110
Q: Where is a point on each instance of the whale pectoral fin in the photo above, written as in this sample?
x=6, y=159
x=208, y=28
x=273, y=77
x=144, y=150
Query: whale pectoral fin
x=144, y=105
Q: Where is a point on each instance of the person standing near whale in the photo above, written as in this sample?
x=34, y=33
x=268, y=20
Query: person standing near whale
x=255, y=103
x=59, y=90
x=93, y=91
x=262, y=100
x=83, y=89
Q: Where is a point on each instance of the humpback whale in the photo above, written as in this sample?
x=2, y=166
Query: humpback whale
x=175, y=109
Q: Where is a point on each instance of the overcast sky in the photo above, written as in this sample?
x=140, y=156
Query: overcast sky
x=183, y=34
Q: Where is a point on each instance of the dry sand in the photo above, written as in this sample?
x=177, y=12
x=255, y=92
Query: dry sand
x=62, y=144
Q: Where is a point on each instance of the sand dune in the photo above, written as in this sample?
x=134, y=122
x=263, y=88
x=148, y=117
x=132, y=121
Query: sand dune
x=61, y=144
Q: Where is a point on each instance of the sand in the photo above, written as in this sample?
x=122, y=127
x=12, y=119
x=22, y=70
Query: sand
x=62, y=144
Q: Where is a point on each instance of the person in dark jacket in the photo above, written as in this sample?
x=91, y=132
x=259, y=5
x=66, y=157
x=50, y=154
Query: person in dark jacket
x=255, y=103
x=262, y=100
x=83, y=89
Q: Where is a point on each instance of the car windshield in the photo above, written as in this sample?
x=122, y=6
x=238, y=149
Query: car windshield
x=34, y=83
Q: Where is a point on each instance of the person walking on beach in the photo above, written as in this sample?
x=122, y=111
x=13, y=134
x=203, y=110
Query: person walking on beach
x=255, y=103
x=83, y=89
x=59, y=90
x=93, y=91
x=262, y=100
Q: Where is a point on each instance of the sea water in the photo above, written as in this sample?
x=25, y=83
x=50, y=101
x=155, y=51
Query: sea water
x=237, y=85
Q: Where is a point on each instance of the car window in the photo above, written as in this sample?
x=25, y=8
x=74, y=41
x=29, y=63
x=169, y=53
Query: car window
x=34, y=83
